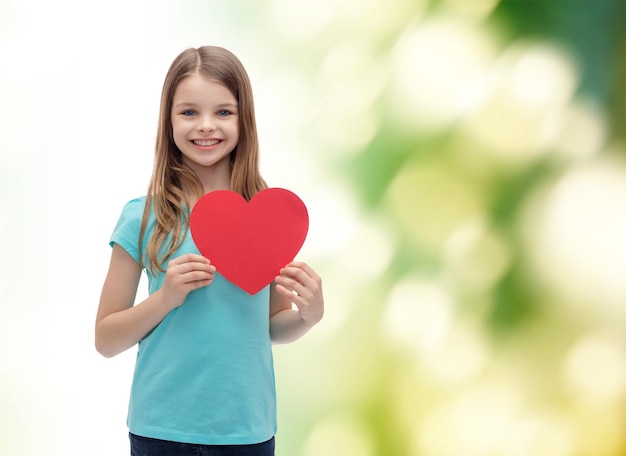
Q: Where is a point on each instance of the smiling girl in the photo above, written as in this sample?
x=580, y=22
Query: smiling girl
x=204, y=375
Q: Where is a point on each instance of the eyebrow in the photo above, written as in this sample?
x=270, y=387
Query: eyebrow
x=190, y=104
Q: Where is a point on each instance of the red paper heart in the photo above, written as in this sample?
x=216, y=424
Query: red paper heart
x=249, y=242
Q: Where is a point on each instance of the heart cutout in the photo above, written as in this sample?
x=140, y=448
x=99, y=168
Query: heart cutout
x=249, y=242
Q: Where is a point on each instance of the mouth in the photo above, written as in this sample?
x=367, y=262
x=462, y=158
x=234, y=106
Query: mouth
x=206, y=142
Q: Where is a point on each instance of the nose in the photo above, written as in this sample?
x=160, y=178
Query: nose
x=206, y=124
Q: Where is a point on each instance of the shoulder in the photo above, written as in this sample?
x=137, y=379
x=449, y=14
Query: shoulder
x=135, y=204
x=132, y=212
x=133, y=209
x=126, y=232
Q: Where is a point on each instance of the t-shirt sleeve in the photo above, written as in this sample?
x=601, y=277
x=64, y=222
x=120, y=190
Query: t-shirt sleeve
x=126, y=232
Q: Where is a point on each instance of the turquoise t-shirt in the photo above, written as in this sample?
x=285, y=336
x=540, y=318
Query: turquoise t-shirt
x=205, y=374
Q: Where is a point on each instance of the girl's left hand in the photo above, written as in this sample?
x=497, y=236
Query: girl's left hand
x=301, y=284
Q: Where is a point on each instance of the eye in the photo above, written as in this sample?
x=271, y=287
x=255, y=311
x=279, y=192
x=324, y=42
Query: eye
x=223, y=113
x=189, y=112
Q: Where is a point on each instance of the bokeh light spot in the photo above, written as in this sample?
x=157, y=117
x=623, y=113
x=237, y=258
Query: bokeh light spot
x=475, y=256
x=435, y=62
x=459, y=358
x=575, y=234
x=595, y=370
x=514, y=112
x=582, y=131
x=418, y=314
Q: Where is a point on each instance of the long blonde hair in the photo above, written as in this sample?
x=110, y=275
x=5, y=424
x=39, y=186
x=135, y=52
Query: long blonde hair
x=172, y=182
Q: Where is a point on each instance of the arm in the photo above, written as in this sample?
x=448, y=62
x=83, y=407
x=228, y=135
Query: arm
x=119, y=323
x=298, y=284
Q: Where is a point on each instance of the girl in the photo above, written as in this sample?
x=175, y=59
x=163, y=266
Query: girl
x=204, y=378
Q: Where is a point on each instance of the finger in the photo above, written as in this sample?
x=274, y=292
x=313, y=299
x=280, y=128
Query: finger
x=294, y=277
x=197, y=284
x=292, y=272
x=190, y=258
x=295, y=266
x=300, y=292
x=197, y=276
x=189, y=266
x=304, y=267
x=290, y=285
x=195, y=266
x=289, y=294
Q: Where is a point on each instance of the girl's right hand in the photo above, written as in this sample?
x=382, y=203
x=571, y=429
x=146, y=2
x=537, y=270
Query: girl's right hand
x=184, y=274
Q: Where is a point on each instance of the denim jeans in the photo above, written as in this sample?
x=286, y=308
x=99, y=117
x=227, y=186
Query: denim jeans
x=144, y=446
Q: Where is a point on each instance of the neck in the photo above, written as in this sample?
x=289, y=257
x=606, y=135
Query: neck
x=216, y=177
x=212, y=184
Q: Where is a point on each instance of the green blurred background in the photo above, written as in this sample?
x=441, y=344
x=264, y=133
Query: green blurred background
x=464, y=166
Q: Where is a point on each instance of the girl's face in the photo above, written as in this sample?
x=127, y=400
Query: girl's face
x=205, y=125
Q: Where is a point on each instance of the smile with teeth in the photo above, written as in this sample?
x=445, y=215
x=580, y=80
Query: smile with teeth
x=206, y=142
